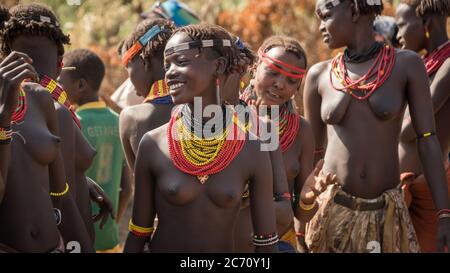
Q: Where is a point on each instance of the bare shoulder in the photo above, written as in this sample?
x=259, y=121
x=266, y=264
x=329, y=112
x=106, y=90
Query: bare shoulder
x=407, y=58
x=155, y=137
x=318, y=69
x=39, y=93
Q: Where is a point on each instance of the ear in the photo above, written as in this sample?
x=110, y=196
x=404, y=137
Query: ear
x=427, y=23
x=82, y=85
x=355, y=12
x=221, y=65
x=59, y=68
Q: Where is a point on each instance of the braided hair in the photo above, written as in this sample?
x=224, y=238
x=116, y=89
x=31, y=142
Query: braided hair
x=206, y=31
x=156, y=45
x=291, y=45
x=423, y=7
x=364, y=8
x=31, y=19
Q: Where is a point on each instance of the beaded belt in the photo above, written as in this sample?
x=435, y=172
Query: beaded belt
x=360, y=204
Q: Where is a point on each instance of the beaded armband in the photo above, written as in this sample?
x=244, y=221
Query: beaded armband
x=140, y=231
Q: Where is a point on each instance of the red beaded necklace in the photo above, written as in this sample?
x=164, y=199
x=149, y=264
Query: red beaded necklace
x=59, y=95
x=202, y=157
x=21, y=109
x=379, y=72
x=288, y=122
x=435, y=59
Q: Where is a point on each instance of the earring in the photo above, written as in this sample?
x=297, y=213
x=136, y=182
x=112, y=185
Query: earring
x=427, y=34
x=218, y=92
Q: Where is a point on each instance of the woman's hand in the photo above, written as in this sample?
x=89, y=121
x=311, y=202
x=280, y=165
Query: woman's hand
x=316, y=183
x=103, y=202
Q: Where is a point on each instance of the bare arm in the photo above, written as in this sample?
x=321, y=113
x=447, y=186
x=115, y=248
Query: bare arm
x=422, y=118
x=312, y=103
x=283, y=207
x=306, y=164
x=126, y=191
x=261, y=196
x=143, y=208
x=72, y=226
x=439, y=95
x=127, y=126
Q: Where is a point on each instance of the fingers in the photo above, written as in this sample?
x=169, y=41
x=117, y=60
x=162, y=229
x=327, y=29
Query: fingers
x=20, y=73
x=96, y=217
x=318, y=167
x=104, y=218
x=14, y=56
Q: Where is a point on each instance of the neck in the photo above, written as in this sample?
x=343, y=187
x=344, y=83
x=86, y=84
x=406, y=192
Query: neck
x=436, y=39
x=208, y=98
x=363, y=38
x=87, y=99
x=46, y=68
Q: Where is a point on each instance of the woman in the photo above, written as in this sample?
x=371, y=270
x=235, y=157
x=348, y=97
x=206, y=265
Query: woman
x=146, y=70
x=358, y=99
x=277, y=76
x=423, y=26
x=197, y=194
x=32, y=120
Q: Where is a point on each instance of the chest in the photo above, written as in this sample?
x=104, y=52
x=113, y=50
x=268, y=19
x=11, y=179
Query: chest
x=386, y=103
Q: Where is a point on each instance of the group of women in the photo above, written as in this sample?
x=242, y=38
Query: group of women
x=222, y=192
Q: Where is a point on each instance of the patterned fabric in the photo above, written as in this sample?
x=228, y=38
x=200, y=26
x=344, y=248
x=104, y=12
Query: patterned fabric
x=290, y=238
x=423, y=212
x=336, y=228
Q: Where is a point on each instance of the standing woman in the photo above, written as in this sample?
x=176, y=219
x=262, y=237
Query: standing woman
x=35, y=30
x=195, y=184
x=143, y=55
x=423, y=26
x=30, y=124
x=358, y=99
x=277, y=76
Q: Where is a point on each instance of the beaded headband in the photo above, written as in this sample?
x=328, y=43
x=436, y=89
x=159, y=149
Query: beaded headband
x=198, y=44
x=334, y=3
x=139, y=45
x=281, y=66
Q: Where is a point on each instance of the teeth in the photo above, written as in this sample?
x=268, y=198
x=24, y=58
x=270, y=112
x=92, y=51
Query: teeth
x=176, y=86
x=275, y=95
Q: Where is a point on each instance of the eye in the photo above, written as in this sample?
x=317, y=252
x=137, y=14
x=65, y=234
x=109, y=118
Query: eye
x=166, y=67
x=292, y=81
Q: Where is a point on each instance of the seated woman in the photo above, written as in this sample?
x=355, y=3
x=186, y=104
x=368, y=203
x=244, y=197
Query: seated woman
x=195, y=184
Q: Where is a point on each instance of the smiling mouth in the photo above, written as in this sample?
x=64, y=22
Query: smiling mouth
x=274, y=96
x=176, y=86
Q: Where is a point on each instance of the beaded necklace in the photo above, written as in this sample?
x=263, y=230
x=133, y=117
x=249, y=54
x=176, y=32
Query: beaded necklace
x=59, y=95
x=288, y=122
x=435, y=59
x=379, y=72
x=203, y=157
x=21, y=109
x=159, y=93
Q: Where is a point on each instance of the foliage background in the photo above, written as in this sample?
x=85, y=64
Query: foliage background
x=101, y=24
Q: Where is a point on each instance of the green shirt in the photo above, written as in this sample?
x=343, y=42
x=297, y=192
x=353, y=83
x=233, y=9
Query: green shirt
x=100, y=125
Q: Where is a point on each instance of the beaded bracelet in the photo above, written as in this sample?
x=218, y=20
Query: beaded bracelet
x=140, y=231
x=319, y=151
x=442, y=211
x=299, y=234
x=425, y=135
x=5, y=135
x=265, y=240
x=59, y=194
x=307, y=207
x=282, y=196
x=444, y=215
